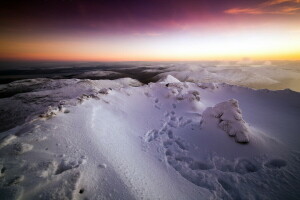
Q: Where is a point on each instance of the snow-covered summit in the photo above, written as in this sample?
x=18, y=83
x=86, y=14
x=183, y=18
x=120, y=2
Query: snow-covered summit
x=84, y=139
x=169, y=79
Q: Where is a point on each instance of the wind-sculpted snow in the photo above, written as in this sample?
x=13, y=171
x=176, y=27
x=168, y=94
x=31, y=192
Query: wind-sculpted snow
x=228, y=116
x=46, y=97
x=83, y=139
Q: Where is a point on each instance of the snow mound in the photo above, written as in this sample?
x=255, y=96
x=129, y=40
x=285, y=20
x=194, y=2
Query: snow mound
x=210, y=86
x=275, y=164
x=169, y=79
x=105, y=90
x=229, y=118
x=127, y=82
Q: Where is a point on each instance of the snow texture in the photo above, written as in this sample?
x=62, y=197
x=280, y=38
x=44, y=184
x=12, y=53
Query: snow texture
x=119, y=139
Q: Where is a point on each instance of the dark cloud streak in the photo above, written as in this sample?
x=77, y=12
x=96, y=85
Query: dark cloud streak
x=113, y=15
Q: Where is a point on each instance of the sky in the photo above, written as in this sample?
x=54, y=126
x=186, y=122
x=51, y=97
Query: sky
x=149, y=30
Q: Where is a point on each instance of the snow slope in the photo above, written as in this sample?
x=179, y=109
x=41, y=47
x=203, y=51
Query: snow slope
x=166, y=140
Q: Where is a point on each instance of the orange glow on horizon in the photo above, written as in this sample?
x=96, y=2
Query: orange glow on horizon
x=227, y=45
x=150, y=30
x=42, y=57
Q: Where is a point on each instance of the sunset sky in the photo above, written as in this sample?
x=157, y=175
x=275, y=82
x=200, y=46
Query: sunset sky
x=149, y=30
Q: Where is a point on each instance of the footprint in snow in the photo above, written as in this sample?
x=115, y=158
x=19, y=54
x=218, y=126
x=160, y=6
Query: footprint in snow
x=183, y=123
x=15, y=180
x=151, y=135
x=2, y=171
x=170, y=134
x=275, y=164
x=244, y=166
x=20, y=148
x=157, y=107
x=66, y=165
x=102, y=166
x=181, y=144
x=147, y=94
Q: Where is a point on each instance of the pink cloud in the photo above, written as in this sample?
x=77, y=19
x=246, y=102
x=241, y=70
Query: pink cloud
x=281, y=7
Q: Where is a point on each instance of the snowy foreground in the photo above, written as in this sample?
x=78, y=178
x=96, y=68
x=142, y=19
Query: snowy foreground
x=104, y=139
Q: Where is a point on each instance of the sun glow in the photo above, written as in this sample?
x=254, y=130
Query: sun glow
x=172, y=46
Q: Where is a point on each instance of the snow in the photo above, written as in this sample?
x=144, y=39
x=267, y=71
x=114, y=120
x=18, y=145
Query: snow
x=119, y=139
x=46, y=97
x=7, y=140
x=241, y=73
x=20, y=148
x=98, y=74
x=228, y=117
x=169, y=79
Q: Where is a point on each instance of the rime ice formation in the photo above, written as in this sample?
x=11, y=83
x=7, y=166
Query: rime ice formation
x=229, y=118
